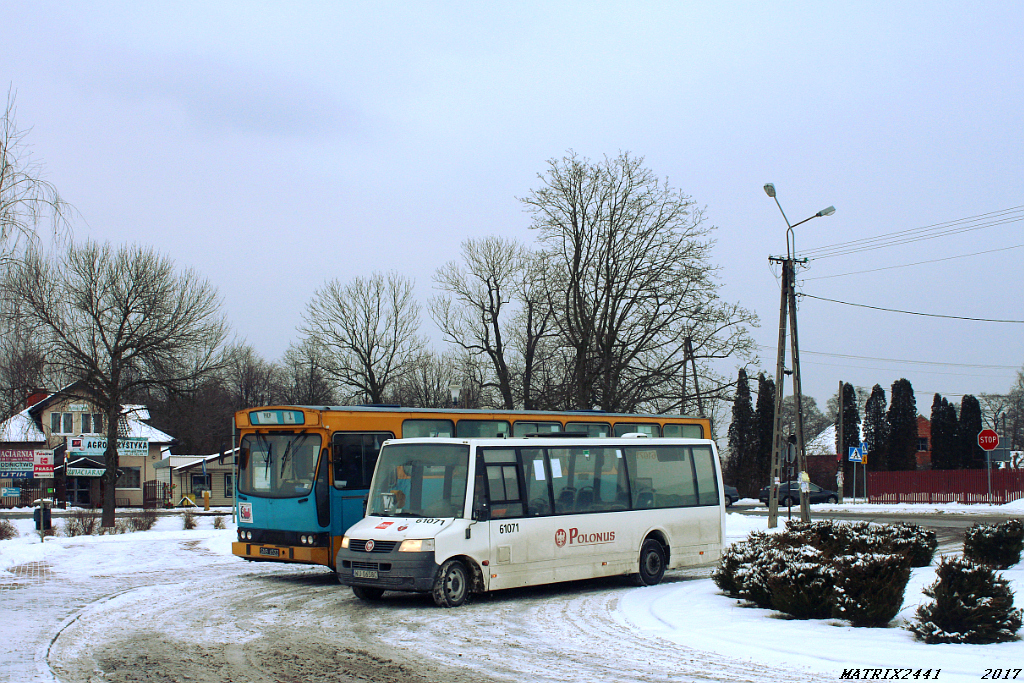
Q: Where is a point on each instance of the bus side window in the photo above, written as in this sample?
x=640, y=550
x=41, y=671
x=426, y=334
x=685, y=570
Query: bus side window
x=355, y=455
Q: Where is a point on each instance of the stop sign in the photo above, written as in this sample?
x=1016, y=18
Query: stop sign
x=988, y=439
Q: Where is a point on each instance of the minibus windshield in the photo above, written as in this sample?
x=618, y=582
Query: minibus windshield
x=278, y=464
x=420, y=480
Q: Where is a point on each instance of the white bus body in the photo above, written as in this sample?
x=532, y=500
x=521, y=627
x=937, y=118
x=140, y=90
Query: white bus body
x=461, y=516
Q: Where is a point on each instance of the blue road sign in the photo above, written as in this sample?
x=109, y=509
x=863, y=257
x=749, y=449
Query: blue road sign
x=855, y=455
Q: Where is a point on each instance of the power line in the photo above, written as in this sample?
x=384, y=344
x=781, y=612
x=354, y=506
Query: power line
x=918, y=263
x=927, y=315
x=899, y=360
x=971, y=223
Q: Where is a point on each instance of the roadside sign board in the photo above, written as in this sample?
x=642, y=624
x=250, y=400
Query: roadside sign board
x=42, y=466
x=97, y=445
x=9, y=491
x=999, y=455
x=855, y=455
x=988, y=439
x=16, y=463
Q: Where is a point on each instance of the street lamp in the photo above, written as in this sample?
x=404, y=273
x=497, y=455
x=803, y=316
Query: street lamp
x=788, y=306
x=456, y=390
x=769, y=189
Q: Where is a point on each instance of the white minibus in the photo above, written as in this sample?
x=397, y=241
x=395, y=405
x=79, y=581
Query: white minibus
x=455, y=517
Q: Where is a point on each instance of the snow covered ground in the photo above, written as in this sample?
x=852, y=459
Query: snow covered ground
x=689, y=612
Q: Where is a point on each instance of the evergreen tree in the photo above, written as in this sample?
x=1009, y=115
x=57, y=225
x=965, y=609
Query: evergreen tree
x=968, y=453
x=764, y=415
x=901, y=446
x=943, y=434
x=742, y=438
x=876, y=429
x=851, y=433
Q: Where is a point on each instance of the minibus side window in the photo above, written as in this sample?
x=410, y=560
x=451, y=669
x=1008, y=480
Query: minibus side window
x=561, y=480
x=661, y=476
x=504, y=491
x=536, y=481
x=707, y=482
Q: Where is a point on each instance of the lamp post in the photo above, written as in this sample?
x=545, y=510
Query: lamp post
x=455, y=390
x=788, y=306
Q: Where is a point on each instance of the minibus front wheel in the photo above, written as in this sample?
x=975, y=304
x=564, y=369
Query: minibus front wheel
x=451, y=587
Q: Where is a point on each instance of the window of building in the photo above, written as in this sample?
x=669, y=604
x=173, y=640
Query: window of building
x=229, y=486
x=131, y=478
x=922, y=444
x=200, y=483
x=62, y=423
x=92, y=423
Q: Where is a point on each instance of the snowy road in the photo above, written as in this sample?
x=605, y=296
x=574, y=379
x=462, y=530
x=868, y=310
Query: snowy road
x=174, y=605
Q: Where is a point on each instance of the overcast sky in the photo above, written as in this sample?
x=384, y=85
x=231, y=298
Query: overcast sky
x=275, y=146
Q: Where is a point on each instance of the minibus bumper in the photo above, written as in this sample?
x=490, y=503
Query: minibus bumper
x=390, y=571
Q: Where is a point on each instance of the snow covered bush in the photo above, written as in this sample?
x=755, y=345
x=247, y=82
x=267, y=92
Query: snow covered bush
x=141, y=520
x=917, y=543
x=7, y=530
x=218, y=522
x=803, y=584
x=741, y=573
x=81, y=523
x=996, y=545
x=189, y=520
x=972, y=604
x=869, y=587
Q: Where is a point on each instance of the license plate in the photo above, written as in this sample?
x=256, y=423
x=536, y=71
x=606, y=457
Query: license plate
x=364, y=573
x=270, y=552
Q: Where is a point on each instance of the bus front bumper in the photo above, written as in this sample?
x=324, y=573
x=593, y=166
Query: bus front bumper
x=263, y=552
x=390, y=571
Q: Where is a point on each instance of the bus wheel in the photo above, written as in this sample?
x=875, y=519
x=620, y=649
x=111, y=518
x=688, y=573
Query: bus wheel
x=451, y=587
x=652, y=564
x=368, y=593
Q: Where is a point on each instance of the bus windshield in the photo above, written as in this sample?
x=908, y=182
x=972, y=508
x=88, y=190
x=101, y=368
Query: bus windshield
x=278, y=465
x=420, y=480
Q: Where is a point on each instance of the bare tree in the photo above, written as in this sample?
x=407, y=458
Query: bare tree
x=120, y=321
x=25, y=197
x=369, y=329
x=631, y=281
x=476, y=307
x=304, y=375
x=251, y=380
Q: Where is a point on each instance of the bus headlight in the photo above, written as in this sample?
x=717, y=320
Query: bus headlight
x=344, y=541
x=417, y=545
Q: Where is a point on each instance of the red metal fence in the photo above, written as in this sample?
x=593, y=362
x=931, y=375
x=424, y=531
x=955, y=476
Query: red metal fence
x=946, y=486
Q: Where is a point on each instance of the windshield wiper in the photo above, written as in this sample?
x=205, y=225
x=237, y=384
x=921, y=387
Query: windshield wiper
x=288, y=449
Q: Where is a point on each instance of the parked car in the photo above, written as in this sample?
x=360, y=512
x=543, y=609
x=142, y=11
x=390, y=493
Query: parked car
x=731, y=495
x=789, y=493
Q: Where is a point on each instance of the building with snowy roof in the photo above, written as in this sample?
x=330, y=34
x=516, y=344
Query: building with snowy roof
x=66, y=431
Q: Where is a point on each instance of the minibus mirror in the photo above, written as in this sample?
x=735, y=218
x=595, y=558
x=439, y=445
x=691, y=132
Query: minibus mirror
x=481, y=514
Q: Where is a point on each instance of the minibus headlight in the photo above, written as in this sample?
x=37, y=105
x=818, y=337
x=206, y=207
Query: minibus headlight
x=417, y=545
x=344, y=542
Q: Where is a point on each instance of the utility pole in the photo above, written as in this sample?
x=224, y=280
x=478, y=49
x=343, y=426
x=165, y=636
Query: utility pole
x=841, y=443
x=787, y=311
